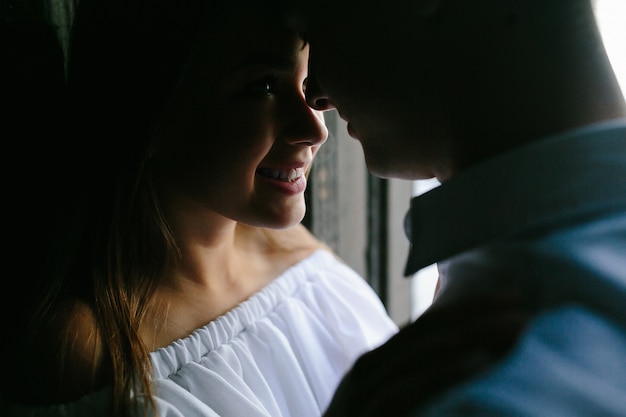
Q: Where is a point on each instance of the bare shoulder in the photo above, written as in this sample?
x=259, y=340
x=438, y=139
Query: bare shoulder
x=66, y=359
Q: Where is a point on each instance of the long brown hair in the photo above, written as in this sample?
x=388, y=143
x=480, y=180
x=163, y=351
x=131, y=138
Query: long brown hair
x=108, y=238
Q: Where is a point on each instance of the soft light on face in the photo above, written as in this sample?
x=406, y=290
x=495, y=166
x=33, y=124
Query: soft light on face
x=241, y=135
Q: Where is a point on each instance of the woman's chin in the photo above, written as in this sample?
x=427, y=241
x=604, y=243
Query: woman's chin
x=294, y=218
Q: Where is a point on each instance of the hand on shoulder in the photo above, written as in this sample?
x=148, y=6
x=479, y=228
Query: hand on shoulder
x=445, y=346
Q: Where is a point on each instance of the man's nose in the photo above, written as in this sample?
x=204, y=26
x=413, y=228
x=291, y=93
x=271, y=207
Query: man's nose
x=315, y=97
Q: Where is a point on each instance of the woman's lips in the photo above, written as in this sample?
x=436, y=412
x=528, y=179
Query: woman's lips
x=289, y=181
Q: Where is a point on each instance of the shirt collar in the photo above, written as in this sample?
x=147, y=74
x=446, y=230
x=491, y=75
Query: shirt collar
x=556, y=178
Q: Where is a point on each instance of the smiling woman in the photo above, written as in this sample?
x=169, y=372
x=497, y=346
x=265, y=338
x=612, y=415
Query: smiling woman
x=172, y=275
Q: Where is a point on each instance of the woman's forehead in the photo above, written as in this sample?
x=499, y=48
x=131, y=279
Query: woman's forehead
x=245, y=36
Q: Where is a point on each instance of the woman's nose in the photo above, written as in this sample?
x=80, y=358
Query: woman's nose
x=306, y=125
x=315, y=97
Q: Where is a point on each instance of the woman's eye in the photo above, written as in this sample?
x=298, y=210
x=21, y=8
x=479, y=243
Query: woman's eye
x=264, y=86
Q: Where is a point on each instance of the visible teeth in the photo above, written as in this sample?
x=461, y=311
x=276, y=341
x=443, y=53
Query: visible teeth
x=289, y=175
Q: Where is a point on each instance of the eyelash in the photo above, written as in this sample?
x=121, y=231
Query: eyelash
x=264, y=86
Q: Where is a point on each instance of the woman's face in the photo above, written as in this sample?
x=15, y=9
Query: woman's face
x=239, y=136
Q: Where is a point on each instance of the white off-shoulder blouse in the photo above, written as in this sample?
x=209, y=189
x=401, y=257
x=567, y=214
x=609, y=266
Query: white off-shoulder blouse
x=281, y=353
